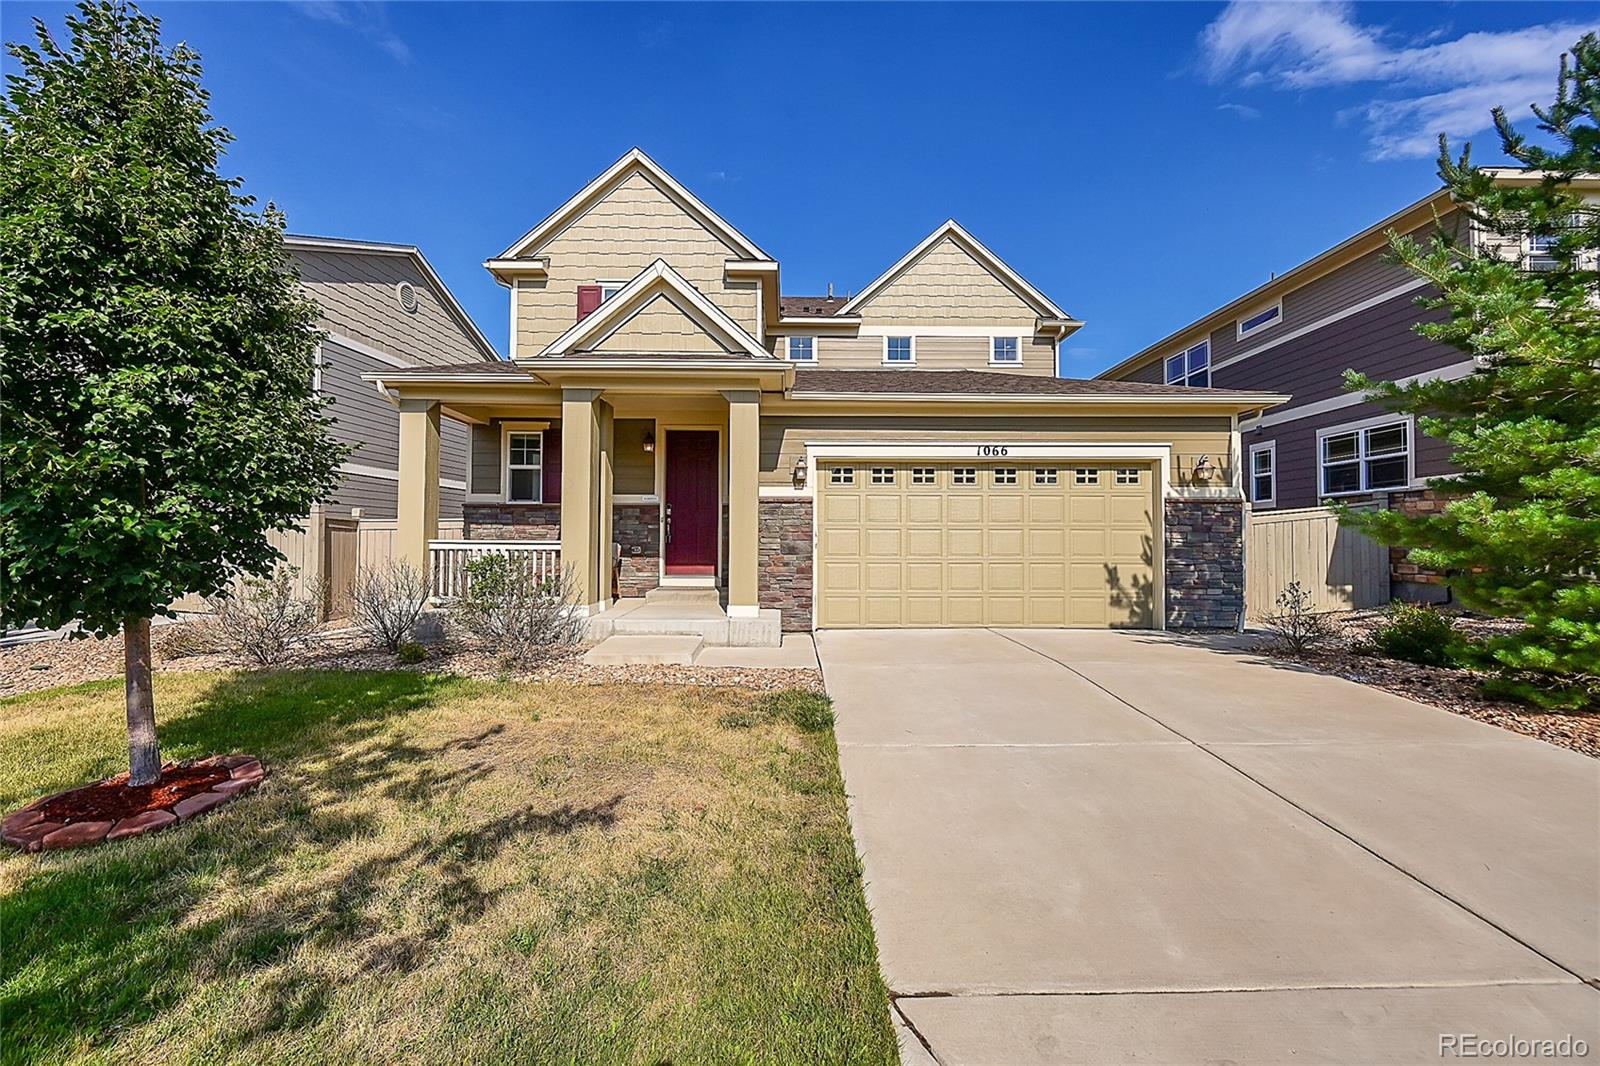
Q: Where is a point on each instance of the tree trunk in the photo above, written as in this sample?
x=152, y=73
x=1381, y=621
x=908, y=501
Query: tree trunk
x=144, y=756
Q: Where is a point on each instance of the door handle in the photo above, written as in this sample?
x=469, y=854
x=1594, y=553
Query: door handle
x=668, y=518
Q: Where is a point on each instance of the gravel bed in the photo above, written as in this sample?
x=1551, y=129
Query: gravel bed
x=1457, y=691
x=49, y=663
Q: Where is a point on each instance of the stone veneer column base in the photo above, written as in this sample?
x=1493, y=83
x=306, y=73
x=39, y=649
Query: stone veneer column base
x=1204, y=563
x=637, y=529
x=785, y=560
x=511, y=521
x=1407, y=580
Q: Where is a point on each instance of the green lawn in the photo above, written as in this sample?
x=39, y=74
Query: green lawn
x=446, y=870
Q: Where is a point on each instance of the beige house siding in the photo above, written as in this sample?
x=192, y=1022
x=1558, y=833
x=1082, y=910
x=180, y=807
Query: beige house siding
x=614, y=240
x=633, y=468
x=358, y=297
x=784, y=437
x=937, y=353
x=660, y=326
x=947, y=287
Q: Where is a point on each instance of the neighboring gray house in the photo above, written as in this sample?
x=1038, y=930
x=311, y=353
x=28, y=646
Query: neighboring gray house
x=384, y=307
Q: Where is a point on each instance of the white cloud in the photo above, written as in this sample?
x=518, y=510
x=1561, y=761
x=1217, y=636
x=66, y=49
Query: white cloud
x=1428, y=86
x=360, y=16
x=1242, y=110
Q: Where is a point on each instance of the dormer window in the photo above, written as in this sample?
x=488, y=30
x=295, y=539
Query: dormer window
x=802, y=349
x=1191, y=367
x=899, y=350
x=608, y=289
x=1005, y=350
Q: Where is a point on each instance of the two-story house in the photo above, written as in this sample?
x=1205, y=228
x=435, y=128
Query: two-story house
x=1353, y=307
x=671, y=425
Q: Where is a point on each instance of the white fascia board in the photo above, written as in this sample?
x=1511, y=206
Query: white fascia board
x=994, y=263
x=614, y=312
x=814, y=322
x=1229, y=400
x=750, y=267
x=634, y=158
x=522, y=268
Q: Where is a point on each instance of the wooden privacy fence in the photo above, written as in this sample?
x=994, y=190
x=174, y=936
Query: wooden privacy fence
x=1342, y=569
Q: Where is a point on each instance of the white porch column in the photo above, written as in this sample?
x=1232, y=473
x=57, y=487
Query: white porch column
x=581, y=485
x=417, y=509
x=744, y=506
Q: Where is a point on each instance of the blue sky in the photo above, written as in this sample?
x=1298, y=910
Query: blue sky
x=1141, y=163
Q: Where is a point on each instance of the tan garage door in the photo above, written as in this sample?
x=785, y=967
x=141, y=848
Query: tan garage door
x=951, y=544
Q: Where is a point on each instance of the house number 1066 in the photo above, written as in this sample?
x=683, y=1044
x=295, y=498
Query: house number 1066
x=993, y=449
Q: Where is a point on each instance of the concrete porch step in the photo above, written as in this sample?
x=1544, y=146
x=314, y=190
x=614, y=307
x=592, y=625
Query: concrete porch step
x=684, y=594
x=644, y=651
x=705, y=621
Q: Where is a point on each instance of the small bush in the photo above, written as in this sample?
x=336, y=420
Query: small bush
x=264, y=619
x=197, y=636
x=1295, y=628
x=411, y=652
x=522, y=617
x=387, y=600
x=1420, y=634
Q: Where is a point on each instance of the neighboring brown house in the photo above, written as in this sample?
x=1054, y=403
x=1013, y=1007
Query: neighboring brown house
x=1350, y=308
x=383, y=307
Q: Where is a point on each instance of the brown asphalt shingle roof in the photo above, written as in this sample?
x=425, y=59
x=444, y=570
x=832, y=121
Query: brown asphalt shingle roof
x=810, y=306
x=498, y=368
x=974, y=383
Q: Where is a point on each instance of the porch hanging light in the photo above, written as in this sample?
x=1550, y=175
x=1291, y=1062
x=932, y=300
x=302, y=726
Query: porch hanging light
x=648, y=443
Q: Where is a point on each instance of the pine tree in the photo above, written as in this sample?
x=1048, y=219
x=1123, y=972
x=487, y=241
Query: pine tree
x=1520, y=537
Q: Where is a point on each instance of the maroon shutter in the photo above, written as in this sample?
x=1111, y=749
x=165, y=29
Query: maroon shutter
x=588, y=300
x=552, y=465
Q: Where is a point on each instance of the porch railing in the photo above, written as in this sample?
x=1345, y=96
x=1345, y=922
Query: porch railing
x=448, y=559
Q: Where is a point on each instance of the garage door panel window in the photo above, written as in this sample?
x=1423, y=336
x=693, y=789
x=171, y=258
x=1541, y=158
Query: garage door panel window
x=1128, y=476
x=1046, y=476
x=924, y=475
x=1005, y=475
x=1363, y=458
x=842, y=475
x=883, y=475
x=1084, y=475
x=964, y=475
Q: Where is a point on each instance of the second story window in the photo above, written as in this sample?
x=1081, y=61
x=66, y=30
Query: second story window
x=803, y=349
x=1005, y=350
x=1191, y=367
x=608, y=289
x=898, y=350
x=1267, y=316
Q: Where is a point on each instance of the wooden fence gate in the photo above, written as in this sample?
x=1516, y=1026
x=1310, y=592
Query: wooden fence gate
x=1342, y=569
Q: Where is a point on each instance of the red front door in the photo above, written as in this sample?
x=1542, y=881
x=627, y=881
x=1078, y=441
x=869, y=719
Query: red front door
x=691, y=516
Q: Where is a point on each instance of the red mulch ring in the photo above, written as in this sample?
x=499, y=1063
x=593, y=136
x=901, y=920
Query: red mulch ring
x=112, y=810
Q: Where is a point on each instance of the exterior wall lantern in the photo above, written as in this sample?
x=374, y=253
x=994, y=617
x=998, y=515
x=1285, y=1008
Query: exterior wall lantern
x=1204, y=470
x=648, y=442
x=800, y=472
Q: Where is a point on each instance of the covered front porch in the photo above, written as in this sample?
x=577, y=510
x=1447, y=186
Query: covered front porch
x=626, y=482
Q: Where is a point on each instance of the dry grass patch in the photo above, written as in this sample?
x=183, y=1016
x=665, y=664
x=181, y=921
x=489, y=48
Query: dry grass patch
x=449, y=870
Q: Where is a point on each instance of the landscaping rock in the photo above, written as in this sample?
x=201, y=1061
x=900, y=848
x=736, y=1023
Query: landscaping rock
x=237, y=785
x=205, y=801
x=248, y=771
x=76, y=835
x=148, y=822
x=28, y=839
x=20, y=820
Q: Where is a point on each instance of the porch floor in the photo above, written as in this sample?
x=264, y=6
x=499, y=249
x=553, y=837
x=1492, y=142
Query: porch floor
x=704, y=619
x=797, y=652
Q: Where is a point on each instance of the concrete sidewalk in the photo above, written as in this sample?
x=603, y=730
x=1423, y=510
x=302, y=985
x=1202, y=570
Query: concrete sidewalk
x=1109, y=847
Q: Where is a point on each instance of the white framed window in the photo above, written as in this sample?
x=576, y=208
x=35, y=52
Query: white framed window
x=899, y=350
x=1086, y=475
x=1538, y=249
x=1265, y=318
x=1370, y=456
x=1127, y=475
x=1264, y=473
x=923, y=475
x=1046, y=475
x=524, y=467
x=883, y=475
x=1005, y=475
x=842, y=475
x=608, y=289
x=964, y=475
x=802, y=349
x=1192, y=366
x=1005, y=350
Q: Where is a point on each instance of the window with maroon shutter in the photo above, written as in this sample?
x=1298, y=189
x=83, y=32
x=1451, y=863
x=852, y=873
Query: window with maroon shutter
x=552, y=465
x=588, y=300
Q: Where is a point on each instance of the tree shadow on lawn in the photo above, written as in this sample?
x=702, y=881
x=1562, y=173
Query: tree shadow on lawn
x=105, y=939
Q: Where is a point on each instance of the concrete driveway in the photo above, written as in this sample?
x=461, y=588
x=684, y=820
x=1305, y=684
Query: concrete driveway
x=1119, y=847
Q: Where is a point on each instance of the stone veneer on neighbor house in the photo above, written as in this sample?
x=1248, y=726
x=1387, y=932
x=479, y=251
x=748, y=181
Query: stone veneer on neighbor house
x=636, y=527
x=784, y=570
x=1407, y=580
x=1204, y=564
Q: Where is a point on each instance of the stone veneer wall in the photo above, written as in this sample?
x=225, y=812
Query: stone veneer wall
x=1407, y=580
x=1204, y=564
x=784, y=576
x=511, y=521
x=637, y=528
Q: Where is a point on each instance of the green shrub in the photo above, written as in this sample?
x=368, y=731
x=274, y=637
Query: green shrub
x=411, y=652
x=1420, y=634
x=811, y=712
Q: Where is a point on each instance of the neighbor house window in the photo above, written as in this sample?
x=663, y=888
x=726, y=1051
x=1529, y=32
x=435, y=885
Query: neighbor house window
x=1264, y=473
x=524, y=467
x=1045, y=476
x=883, y=475
x=842, y=475
x=1365, y=458
x=1085, y=475
x=898, y=350
x=1190, y=367
x=1540, y=251
x=922, y=475
x=964, y=475
x=1005, y=475
x=802, y=349
x=1259, y=321
x=1005, y=350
